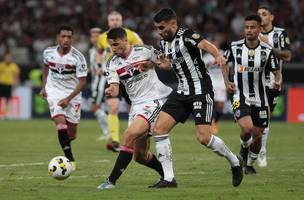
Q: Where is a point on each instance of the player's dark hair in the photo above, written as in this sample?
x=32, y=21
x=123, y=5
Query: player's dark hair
x=164, y=14
x=253, y=17
x=266, y=7
x=116, y=33
x=65, y=28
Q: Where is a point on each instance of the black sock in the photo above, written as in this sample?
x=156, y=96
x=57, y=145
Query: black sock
x=156, y=165
x=65, y=143
x=122, y=162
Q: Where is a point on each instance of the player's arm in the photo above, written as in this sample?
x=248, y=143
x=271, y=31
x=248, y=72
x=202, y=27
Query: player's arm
x=112, y=79
x=228, y=73
x=112, y=90
x=45, y=73
x=213, y=50
x=273, y=66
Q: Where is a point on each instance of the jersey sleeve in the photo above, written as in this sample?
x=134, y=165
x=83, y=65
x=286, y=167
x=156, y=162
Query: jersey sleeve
x=81, y=67
x=111, y=73
x=191, y=38
x=229, y=55
x=284, y=41
x=45, y=60
x=153, y=54
x=272, y=63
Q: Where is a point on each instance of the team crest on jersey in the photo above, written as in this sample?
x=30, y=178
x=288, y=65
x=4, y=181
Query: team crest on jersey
x=251, y=52
x=60, y=68
x=195, y=36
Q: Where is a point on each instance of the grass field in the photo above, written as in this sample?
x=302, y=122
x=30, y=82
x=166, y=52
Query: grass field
x=27, y=146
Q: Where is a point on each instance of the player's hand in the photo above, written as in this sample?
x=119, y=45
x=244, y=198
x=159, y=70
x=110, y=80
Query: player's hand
x=230, y=86
x=163, y=62
x=264, y=38
x=112, y=91
x=277, y=85
x=43, y=93
x=220, y=60
x=63, y=103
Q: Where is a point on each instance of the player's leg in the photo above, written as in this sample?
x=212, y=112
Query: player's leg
x=72, y=130
x=113, y=122
x=137, y=128
x=220, y=97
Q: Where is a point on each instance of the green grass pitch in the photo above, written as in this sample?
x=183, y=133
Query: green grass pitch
x=27, y=146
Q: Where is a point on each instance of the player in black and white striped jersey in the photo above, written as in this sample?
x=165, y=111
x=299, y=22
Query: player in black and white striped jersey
x=277, y=38
x=252, y=60
x=182, y=52
x=98, y=86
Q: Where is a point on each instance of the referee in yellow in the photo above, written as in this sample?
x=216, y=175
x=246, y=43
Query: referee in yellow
x=105, y=51
x=9, y=76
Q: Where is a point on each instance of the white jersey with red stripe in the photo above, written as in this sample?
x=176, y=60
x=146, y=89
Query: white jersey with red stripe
x=140, y=86
x=64, y=72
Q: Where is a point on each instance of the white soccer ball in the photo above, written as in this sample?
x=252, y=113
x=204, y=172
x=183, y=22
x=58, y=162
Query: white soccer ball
x=60, y=168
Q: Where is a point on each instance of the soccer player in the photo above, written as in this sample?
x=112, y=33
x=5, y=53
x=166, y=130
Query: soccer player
x=278, y=39
x=194, y=95
x=252, y=60
x=220, y=93
x=147, y=94
x=64, y=76
x=98, y=85
x=114, y=21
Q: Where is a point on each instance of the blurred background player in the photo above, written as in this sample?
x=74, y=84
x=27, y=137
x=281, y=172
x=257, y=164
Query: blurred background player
x=277, y=38
x=219, y=88
x=115, y=21
x=9, y=76
x=64, y=76
x=252, y=59
x=98, y=85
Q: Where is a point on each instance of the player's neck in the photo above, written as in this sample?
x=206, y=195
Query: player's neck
x=268, y=28
x=63, y=51
x=252, y=44
x=127, y=51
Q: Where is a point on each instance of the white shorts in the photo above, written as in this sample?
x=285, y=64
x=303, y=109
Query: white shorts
x=220, y=94
x=148, y=110
x=71, y=112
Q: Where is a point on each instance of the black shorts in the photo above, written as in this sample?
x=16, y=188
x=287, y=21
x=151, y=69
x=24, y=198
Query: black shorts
x=259, y=115
x=122, y=94
x=5, y=91
x=272, y=96
x=181, y=106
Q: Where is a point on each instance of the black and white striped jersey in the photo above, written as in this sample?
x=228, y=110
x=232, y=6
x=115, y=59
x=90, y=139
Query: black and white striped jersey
x=187, y=62
x=277, y=38
x=250, y=67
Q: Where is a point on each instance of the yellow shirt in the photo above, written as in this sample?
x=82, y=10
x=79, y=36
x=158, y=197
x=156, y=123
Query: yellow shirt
x=8, y=73
x=104, y=46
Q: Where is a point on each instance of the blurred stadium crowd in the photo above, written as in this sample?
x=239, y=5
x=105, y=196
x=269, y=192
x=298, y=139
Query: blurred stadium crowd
x=31, y=24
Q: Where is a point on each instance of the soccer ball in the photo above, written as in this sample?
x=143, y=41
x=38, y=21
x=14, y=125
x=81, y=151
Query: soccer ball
x=60, y=168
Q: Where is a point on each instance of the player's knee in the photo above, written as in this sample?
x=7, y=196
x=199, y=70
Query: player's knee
x=203, y=137
x=247, y=129
x=140, y=157
x=129, y=137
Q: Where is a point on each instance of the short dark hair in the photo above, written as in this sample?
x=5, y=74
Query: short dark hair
x=116, y=33
x=253, y=17
x=164, y=14
x=266, y=7
x=65, y=28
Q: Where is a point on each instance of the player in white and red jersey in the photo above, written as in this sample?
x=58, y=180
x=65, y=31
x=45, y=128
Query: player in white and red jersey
x=64, y=76
x=147, y=94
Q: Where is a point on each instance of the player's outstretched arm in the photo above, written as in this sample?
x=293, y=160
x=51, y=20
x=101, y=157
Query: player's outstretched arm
x=277, y=79
x=45, y=73
x=213, y=50
x=82, y=82
x=163, y=62
x=230, y=86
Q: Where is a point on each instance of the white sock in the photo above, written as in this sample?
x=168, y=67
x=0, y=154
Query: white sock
x=264, y=140
x=164, y=154
x=247, y=143
x=219, y=147
x=251, y=158
x=102, y=119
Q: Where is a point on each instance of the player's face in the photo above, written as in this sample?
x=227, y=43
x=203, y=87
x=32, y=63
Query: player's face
x=94, y=38
x=114, y=21
x=266, y=16
x=166, y=29
x=65, y=38
x=118, y=46
x=252, y=30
